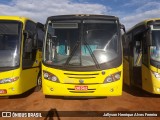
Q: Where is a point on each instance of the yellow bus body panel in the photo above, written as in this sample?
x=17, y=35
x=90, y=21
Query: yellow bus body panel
x=150, y=82
x=12, y=88
x=22, y=84
x=67, y=84
x=126, y=77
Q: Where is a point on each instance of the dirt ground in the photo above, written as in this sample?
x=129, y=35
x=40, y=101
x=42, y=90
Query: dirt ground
x=131, y=100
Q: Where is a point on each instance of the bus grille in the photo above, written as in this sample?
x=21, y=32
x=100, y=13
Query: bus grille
x=81, y=76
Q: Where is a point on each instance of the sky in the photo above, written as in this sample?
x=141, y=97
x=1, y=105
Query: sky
x=130, y=12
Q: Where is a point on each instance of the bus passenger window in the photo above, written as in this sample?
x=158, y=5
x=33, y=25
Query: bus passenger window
x=40, y=36
x=138, y=49
x=29, y=47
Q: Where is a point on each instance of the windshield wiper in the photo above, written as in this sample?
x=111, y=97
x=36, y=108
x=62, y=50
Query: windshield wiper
x=92, y=55
x=77, y=45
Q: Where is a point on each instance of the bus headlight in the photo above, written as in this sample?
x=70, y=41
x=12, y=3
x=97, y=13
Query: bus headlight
x=49, y=76
x=8, y=80
x=112, y=77
x=157, y=75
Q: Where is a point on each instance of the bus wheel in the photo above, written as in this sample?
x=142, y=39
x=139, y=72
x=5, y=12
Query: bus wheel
x=39, y=83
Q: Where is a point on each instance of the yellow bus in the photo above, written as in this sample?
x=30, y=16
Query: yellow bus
x=20, y=54
x=82, y=56
x=141, y=46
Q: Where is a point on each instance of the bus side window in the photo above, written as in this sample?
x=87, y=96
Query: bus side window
x=40, y=36
x=126, y=50
x=29, y=44
x=125, y=47
x=145, y=50
x=138, y=38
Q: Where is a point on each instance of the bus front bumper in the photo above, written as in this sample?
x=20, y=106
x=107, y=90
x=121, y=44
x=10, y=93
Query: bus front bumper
x=59, y=89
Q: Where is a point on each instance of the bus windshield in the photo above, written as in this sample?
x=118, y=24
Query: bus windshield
x=155, y=49
x=102, y=38
x=81, y=43
x=9, y=43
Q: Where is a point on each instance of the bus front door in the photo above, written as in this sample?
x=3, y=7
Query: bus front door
x=137, y=62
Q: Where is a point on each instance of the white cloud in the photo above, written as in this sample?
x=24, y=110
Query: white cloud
x=136, y=2
x=39, y=10
x=142, y=12
x=131, y=20
x=148, y=6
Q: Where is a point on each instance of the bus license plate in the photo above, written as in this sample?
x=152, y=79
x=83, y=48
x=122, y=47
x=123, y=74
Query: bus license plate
x=3, y=91
x=81, y=87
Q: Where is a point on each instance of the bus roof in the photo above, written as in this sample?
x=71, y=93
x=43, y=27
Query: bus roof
x=81, y=16
x=144, y=22
x=18, y=18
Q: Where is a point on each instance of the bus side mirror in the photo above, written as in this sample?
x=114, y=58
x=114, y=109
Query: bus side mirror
x=138, y=46
x=123, y=28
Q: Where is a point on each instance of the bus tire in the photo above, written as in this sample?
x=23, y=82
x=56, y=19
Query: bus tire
x=39, y=83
